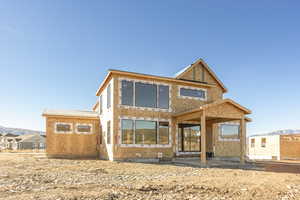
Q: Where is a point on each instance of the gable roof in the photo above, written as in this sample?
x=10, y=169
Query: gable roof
x=210, y=71
x=216, y=103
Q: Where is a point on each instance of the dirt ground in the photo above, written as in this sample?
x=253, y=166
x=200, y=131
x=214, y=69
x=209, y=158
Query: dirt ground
x=24, y=176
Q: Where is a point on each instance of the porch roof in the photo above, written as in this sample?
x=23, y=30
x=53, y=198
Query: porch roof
x=193, y=114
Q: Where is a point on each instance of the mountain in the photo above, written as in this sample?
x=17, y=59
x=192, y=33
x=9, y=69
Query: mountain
x=281, y=132
x=19, y=131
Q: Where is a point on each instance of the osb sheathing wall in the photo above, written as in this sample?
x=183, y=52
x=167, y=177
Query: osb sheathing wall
x=178, y=104
x=290, y=147
x=71, y=144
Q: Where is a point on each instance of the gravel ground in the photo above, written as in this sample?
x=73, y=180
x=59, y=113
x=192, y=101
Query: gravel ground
x=36, y=177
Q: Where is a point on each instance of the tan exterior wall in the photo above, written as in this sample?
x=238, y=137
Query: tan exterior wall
x=290, y=147
x=71, y=144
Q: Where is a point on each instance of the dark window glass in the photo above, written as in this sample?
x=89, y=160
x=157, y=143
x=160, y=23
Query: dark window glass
x=127, y=131
x=192, y=93
x=108, y=96
x=127, y=93
x=229, y=131
x=84, y=128
x=108, y=133
x=145, y=95
x=100, y=99
x=145, y=132
x=63, y=127
x=163, y=96
x=163, y=133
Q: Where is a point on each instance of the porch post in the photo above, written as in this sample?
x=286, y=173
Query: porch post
x=203, y=137
x=242, y=139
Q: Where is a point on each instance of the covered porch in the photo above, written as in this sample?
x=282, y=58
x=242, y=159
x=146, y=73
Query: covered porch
x=214, y=113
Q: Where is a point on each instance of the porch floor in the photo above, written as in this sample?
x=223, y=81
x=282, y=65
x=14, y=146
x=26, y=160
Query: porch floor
x=226, y=164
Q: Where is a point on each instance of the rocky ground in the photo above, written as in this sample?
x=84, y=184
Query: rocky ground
x=36, y=177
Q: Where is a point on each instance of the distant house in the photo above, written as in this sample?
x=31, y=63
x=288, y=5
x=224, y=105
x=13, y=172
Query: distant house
x=29, y=141
x=274, y=147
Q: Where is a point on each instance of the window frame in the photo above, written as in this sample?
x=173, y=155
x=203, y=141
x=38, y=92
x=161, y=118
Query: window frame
x=263, y=144
x=190, y=97
x=157, y=145
x=108, y=132
x=157, y=84
x=234, y=139
x=63, y=132
x=82, y=124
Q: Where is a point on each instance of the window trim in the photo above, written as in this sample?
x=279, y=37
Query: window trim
x=82, y=124
x=192, y=88
x=157, y=120
x=63, y=132
x=237, y=139
x=157, y=83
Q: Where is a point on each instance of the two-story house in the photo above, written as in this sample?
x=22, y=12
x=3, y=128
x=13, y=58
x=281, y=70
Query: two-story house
x=140, y=116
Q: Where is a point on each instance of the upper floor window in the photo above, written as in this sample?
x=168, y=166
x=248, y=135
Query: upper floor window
x=194, y=93
x=252, y=142
x=263, y=142
x=144, y=94
x=229, y=131
x=108, y=95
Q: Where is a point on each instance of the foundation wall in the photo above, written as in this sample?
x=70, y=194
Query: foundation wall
x=71, y=145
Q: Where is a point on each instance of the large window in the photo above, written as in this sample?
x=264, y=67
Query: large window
x=127, y=93
x=229, y=131
x=127, y=131
x=163, y=133
x=108, y=95
x=144, y=95
x=144, y=132
x=195, y=93
x=163, y=96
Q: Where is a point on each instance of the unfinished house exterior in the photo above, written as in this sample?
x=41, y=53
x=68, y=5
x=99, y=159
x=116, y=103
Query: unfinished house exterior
x=139, y=116
x=274, y=147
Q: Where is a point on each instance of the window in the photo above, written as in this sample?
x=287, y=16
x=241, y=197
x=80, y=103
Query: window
x=127, y=131
x=100, y=109
x=63, y=127
x=108, y=97
x=252, y=143
x=127, y=93
x=263, y=142
x=108, y=139
x=229, y=131
x=145, y=95
x=163, y=133
x=192, y=93
x=163, y=96
x=84, y=128
x=145, y=132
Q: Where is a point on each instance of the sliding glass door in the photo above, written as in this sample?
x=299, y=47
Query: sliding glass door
x=189, y=138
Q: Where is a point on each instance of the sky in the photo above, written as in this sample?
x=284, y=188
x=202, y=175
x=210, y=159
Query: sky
x=54, y=54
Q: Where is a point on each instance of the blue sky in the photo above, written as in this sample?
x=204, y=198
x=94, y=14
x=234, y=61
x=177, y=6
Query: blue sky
x=54, y=54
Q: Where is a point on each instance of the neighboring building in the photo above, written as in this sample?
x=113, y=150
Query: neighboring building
x=22, y=142
x=274, y=147
x=139, y=116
